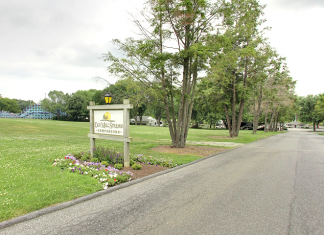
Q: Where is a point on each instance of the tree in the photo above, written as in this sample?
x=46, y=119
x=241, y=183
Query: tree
x=319, y=107
x=9, y=105
x=308, y=112
x=56, y=102
x=75, y=106
x=231, y=64
x=23, y=104
x=173, y=42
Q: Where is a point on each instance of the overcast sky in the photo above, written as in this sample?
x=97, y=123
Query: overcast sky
x=56, y=45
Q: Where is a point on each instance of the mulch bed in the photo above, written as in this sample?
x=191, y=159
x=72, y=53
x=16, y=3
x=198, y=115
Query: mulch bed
x=146, y=170
x=202, y=151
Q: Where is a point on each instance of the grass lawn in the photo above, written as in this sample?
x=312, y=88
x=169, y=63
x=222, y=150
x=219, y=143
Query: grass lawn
x=29, y=182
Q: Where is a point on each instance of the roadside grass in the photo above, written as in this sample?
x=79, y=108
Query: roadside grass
x=29, y=182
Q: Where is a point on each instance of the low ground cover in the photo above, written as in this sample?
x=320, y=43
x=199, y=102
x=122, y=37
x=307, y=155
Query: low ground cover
x=28, y=180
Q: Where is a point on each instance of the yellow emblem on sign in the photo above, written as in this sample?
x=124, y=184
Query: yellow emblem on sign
x=107, y=116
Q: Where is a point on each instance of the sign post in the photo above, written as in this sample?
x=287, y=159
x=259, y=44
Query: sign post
x=110, y=122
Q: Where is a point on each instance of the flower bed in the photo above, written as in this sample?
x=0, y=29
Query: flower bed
x=107, y=176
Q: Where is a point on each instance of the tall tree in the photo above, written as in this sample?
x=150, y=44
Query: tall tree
x=307, y=110
x=56, y=102
x=230, y=68
x=9, y=105
x=173, y=41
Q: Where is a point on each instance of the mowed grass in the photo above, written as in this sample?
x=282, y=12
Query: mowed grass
x=29, y=182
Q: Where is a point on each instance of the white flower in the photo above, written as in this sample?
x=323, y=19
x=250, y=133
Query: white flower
x=77, y=164
x=96, y=176
x=70, y=164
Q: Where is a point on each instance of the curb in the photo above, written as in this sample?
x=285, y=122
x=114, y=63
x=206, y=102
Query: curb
x=63, y=205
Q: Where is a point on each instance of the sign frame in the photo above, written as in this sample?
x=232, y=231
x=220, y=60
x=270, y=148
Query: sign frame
x=125, y=107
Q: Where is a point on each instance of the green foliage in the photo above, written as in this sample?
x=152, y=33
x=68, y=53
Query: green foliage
x=56, y=102
x=85, y=158
x=319, y=107
x=9, y=105
x=106, y=164
x=136, y=166
x=23, y=104
x=94, y=159
x=310, y=109
x=149, y=160
x=118, y=166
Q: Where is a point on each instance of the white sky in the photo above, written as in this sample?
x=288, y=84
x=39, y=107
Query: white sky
x=56, y=45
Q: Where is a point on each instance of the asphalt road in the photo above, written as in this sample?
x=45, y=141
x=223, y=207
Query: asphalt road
x=272, y=186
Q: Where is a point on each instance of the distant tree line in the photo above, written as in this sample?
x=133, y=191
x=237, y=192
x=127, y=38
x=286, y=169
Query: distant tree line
x=14, y=105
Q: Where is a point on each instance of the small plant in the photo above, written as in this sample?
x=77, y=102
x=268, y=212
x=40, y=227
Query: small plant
x=94, y=159
x=105, y=163
x=149, y=160
x=85, y=158
x=136, y=166
x=118, y=166
x=106, y=154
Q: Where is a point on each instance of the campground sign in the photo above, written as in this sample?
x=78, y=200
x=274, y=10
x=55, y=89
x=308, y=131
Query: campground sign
x=110, y=122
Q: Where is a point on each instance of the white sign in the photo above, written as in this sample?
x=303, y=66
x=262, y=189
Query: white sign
x=108, y=122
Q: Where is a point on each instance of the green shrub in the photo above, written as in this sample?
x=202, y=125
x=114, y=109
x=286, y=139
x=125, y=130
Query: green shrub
x=111, y=181
x=85, y=158
x=149, y=160
x=94, y=159
x=82, y=156
x=136, y=166
x=122, y=178
x=118, y=166
x=104, y=163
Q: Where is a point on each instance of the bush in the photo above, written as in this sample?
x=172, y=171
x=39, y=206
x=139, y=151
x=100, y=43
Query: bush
x=81, y=155
x=85, y=158
x=149, y=160
x=118, y=166
x=94, y=159
x=136, y=166
x=105, y=163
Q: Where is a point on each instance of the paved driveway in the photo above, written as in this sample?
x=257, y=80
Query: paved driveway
x=272, y=186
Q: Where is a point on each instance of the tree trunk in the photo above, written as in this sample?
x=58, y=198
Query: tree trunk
x=233, y=131
x=240, y=115
x=276, y=122
x=314, y=126
x=256, y=118
x=271, y=120
x=266, y=119
x=228, y=121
